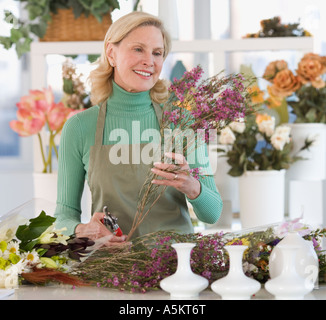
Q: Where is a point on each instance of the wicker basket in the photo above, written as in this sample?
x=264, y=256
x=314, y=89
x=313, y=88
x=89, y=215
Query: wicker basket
x=65, y=27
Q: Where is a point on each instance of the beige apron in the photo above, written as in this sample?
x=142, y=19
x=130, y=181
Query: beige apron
x=117, y=186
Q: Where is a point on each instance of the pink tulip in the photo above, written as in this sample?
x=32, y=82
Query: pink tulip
x=35, y=111
x=57, y=116
x=27, y=127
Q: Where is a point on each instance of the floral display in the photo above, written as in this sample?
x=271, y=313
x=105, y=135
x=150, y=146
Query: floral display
x=304, y=90
x=38, y=111
x=274, y=28
x=74, y=92
x=35, y=252
x=38, y=248
x=196, y=109
x=141, y=266
x=257, y=144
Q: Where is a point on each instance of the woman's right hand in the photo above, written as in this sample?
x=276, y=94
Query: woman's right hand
x=95, y=230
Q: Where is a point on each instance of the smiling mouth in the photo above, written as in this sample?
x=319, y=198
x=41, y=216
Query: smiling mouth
x=143, y=73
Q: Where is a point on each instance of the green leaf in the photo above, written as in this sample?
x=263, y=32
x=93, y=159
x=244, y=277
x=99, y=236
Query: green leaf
x=23, y=46
x=68, y=86
x=6, y=42
x=28, y=233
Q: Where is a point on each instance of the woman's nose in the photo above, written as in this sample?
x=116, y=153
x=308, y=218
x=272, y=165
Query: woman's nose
x=148, y=60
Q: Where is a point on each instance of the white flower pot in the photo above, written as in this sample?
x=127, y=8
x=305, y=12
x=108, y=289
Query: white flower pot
x=45, y=186
x=261, y=195
x=314, y=165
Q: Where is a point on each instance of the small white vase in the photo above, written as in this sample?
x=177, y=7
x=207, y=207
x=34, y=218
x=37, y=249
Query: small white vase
x=289, y=285
x=184, y=284
x=306, y=260
x=236, y=285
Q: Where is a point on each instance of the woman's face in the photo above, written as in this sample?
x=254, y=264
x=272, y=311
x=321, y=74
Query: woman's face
x=138, y=59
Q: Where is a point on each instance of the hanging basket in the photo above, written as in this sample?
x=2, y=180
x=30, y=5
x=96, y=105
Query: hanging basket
x=65, y=27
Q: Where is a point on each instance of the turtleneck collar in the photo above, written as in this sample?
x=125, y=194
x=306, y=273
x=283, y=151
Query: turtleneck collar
x=128, y=103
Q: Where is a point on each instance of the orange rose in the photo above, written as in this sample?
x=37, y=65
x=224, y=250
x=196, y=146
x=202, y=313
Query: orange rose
x=310, y=69
x=285, y=83
x=273, y=68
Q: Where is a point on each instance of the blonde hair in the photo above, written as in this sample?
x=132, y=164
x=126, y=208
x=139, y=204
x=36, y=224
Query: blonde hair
x=101, y=78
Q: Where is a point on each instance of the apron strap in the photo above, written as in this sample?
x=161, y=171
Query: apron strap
x=100, y=124
x=158, y=111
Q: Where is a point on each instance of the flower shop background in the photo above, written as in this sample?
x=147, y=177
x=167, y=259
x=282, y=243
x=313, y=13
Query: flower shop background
x=213, y=29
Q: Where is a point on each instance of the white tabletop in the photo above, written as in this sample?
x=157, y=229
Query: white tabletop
x=66, y=292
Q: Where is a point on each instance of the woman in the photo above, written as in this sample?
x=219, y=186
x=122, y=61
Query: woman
x=126, y=92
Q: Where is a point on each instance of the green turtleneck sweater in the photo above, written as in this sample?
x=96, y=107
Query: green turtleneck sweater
x=125, y=112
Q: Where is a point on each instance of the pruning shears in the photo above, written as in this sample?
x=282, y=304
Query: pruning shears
x=111, y=221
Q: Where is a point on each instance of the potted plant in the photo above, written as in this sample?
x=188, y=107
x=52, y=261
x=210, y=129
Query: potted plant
x=42, y=13
x=259, y=153
x=305, y=92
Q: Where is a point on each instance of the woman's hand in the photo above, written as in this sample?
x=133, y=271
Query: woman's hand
x=95, y=230
x=177, y=175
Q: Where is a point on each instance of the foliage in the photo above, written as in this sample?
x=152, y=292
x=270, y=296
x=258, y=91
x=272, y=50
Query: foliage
x=140, y=266
x=38, y=247
x=39, y=15
x=274, y=28
x=256, y=144
x=309, y=105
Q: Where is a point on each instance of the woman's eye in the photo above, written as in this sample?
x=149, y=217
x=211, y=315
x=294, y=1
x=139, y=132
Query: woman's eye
x=138, y=49
x=158, y=53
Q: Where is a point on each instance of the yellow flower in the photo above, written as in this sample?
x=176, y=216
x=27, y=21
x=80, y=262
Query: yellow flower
x=3, y=246
x=237, y=241
x=257, y=95
x=262, y=117
x=273, y=101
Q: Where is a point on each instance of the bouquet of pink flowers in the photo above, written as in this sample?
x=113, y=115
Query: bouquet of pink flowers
x=36, y=111
x=195, y=110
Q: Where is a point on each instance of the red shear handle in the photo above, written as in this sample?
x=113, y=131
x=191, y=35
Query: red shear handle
x=118, y=232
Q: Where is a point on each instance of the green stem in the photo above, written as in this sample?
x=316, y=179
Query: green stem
x=42, y=152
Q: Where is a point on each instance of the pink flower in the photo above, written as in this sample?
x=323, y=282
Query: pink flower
x=57, y=115
x=28, y=123
x=37, y=110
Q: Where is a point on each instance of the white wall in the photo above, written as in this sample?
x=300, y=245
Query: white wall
x=16, y=188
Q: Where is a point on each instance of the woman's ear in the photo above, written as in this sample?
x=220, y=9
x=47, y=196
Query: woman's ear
x=110, y=54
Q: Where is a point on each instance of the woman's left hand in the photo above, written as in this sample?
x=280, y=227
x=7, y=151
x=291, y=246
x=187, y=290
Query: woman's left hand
x=177, y=175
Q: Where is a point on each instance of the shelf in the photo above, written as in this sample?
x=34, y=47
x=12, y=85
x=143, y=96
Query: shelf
x=219, y=49
x=227, y=45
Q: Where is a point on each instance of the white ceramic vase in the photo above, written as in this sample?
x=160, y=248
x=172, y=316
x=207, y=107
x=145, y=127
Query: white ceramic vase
x=45, y=186
x=236, y=285
x=289, y=285
x=262, y=196
x=314, y=165
x=184, y=284
x=306, y=259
